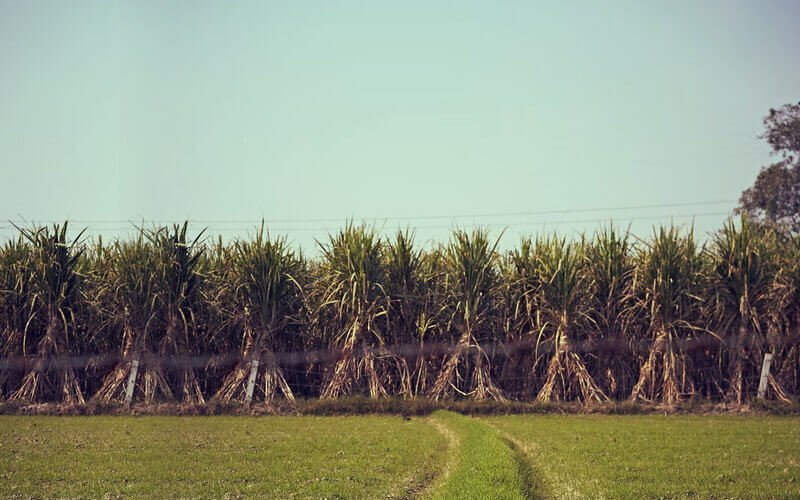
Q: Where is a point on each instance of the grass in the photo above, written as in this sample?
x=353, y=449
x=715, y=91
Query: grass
x=660, y=456
x=444, y=455
x=216, y=456
x=483, y=465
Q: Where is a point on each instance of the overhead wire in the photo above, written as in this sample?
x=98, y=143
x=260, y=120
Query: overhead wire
x=229, y=224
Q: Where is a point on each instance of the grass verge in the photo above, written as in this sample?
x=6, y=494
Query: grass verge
x=482, y=464
x=361, y=405
x=170, y=457
x=654, y=456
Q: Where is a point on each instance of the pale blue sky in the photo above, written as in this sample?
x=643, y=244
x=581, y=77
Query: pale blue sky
x=233, y=111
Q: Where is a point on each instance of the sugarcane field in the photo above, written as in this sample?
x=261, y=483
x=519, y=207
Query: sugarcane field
x=413, y=341
x=437, y=250
x=170, y=318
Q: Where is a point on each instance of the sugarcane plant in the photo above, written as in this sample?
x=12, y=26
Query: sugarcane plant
x=471, y=278
x=669, y=288
x=432, y=320
x=414, y=306
x=265, y=279
x=131, y=301
x=95, y=337
x=179, y=283
x=611, y=314
x=55, y=286
x=744, y=287
x=16, y=308
x=786, y=336
x=521, y=320
x=560, y=269
x=161, y=317
x=351, y=306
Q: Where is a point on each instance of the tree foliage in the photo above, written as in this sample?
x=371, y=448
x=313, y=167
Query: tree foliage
x=774, y=198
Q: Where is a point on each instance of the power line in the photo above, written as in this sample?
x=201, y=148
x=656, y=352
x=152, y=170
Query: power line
x=392, y=218
x=544, y=223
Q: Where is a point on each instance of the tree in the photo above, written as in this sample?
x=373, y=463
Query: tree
x=774, y=198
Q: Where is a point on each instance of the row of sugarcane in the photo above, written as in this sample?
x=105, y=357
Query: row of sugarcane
x=162, y=317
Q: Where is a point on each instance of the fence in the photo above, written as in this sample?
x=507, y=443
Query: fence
x=517, y=367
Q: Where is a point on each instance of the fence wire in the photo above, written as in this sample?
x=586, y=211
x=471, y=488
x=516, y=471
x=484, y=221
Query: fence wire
x=513, y=362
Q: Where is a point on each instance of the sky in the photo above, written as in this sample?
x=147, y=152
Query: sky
x=524, y=117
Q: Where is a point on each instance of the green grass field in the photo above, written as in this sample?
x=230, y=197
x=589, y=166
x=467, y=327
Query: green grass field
x=444, y=455
x=214, y=456
x=659, y=456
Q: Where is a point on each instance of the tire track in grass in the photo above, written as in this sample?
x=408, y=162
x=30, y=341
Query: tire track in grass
x=536, y=477
x=453, y=450
x=534, y=486
x=482, y=465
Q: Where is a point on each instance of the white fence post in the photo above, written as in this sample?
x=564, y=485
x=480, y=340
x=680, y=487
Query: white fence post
x=131, y=381
x=251, y=382
x=762, y=384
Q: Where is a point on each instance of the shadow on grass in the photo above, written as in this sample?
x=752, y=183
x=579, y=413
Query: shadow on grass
x=532, y=481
